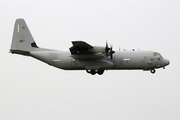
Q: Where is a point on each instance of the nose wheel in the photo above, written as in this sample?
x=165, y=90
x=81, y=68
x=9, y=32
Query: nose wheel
x=152, y=71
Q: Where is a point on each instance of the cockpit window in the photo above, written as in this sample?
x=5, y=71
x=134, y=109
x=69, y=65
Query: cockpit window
x=158, y=55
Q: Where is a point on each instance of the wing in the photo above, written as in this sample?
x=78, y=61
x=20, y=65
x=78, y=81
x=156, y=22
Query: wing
x=80, y=47
x=83, y=50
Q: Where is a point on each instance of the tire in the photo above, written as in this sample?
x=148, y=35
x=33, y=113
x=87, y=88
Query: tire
x=100, y=72
x=153, y=71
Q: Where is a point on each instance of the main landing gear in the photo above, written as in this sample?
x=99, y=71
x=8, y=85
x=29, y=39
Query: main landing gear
x=152, y=71
x=93, y=72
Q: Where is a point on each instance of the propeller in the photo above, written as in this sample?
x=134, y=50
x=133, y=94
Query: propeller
x=109, y=51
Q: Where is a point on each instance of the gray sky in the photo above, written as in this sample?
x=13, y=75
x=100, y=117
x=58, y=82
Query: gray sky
x=30, y=89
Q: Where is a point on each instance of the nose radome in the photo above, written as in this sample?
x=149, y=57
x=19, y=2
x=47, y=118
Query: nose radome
x=166, y=62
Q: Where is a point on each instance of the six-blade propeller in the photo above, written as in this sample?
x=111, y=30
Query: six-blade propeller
x=109, y=51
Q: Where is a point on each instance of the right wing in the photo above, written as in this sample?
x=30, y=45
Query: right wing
x=83, y=50
x=80, y=47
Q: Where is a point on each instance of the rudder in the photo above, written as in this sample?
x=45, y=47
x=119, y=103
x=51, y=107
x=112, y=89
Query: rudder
x=22, y=41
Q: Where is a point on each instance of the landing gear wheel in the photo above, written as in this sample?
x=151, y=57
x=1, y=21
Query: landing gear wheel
x=100, y=72
x=153, y=71
x=88, y=71
x=93, y=72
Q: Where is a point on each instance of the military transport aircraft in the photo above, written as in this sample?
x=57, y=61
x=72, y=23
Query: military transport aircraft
x=83, y=56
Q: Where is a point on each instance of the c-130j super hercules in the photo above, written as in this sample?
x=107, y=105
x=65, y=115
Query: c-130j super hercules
x=82, y=56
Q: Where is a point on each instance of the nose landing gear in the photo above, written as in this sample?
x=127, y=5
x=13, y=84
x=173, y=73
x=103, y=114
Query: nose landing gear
x=152, y=71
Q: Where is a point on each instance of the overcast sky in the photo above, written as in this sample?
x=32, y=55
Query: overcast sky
x=32, y=90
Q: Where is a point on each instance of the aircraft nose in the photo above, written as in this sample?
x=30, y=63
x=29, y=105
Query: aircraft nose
x=166, y=62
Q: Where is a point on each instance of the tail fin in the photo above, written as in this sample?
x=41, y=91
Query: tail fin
x=22, y=41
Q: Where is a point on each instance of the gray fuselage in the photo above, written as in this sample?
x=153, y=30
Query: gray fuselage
x=144, y=60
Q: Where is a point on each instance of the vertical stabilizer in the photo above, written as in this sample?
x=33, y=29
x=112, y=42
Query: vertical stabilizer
x=22, y=41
